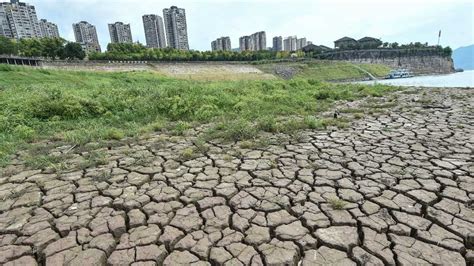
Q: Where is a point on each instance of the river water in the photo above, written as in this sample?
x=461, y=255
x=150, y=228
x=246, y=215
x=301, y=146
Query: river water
x=460, y=79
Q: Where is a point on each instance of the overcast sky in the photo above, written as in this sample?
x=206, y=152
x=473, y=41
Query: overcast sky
x=319, y=21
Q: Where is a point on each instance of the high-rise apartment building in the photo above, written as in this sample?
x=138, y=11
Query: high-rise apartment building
x=254, y=42
x=259, y=41
x=290, y=43
x=120, y=33
x=300, y=43
x=221, y=44
x=48, y=29
x=86, y=35
x=277, y=43
x=245, y=43
x=18, y=20
x=176, y=28
x=154, y=31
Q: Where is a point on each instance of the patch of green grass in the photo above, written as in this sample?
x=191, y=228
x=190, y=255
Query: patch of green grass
x=45, y=161
x=337, y=204
x=234, y=130
x=114, y=134
x=94, y=159
x=180, y=128
x=78, y=107
x=201, y=145
x=321, y=70
x=246, y=144
x=187, y=154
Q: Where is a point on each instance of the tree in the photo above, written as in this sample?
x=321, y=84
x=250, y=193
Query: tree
x=53, y=47
x=394, y=45
x=8, y=46
x=73, y=50
x=447, y=51
x=30, y=47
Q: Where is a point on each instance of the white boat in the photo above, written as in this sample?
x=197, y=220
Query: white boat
x=399, y=73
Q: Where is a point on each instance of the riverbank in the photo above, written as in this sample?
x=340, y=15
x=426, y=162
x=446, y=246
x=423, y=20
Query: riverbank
x=392, y=187
x=323, y=70
x=78, y=107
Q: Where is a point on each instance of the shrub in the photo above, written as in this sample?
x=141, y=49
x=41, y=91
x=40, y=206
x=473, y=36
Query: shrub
x=267, y=124
x=114, y=134
x=322, y=95
x=24, y=132
x=206, y=112
x=235, y=130
x=291, y=125
x=55, y=103
x=180, y=127
x=313, y=123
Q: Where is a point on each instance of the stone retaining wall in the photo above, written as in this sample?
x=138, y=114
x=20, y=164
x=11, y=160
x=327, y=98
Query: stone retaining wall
x=419, y=61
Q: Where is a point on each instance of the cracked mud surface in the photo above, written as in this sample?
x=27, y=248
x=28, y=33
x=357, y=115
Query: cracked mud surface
x=393, y=189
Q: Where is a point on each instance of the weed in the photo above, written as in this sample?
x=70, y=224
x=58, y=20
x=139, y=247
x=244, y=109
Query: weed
x=93, y=159
x=234, y=130
x=246, y=144
x=201, y=145
x=267, y=124
x=187, y=154
x=337, y=204
x=44, y=161
x=313, y=123
x=103, y=176
x=358, y=115
x=227, y=158
x=180, y=128
x=114, y=134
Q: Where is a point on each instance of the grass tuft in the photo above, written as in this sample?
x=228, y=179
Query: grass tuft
x=337, y=204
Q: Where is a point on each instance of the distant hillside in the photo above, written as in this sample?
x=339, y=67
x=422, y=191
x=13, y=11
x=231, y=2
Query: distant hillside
x=464, y=57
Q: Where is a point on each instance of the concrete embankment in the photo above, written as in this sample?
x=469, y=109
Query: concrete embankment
x=418, y=61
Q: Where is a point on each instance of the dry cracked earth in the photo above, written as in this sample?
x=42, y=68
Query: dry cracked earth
x=395, y=188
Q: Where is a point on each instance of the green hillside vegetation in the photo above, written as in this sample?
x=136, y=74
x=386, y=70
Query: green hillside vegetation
x=78, y=107
x=328, y=70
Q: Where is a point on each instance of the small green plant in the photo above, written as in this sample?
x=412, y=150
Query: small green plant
x=103, y=176
x=267, y=124
x=187, y=154
x=246, y=144
x=180, y=128
x=114, y=134
x=45, y=161
x=313, y=123
x=24, y=132
x=227, y=158
x=234, y=130
x=337, y=204
x=358, y=115
x=93, y=159
x=201, y=145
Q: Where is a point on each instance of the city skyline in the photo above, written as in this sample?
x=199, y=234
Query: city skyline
x=311, y=22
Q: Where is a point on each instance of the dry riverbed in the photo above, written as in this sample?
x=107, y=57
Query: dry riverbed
x=396, y=187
